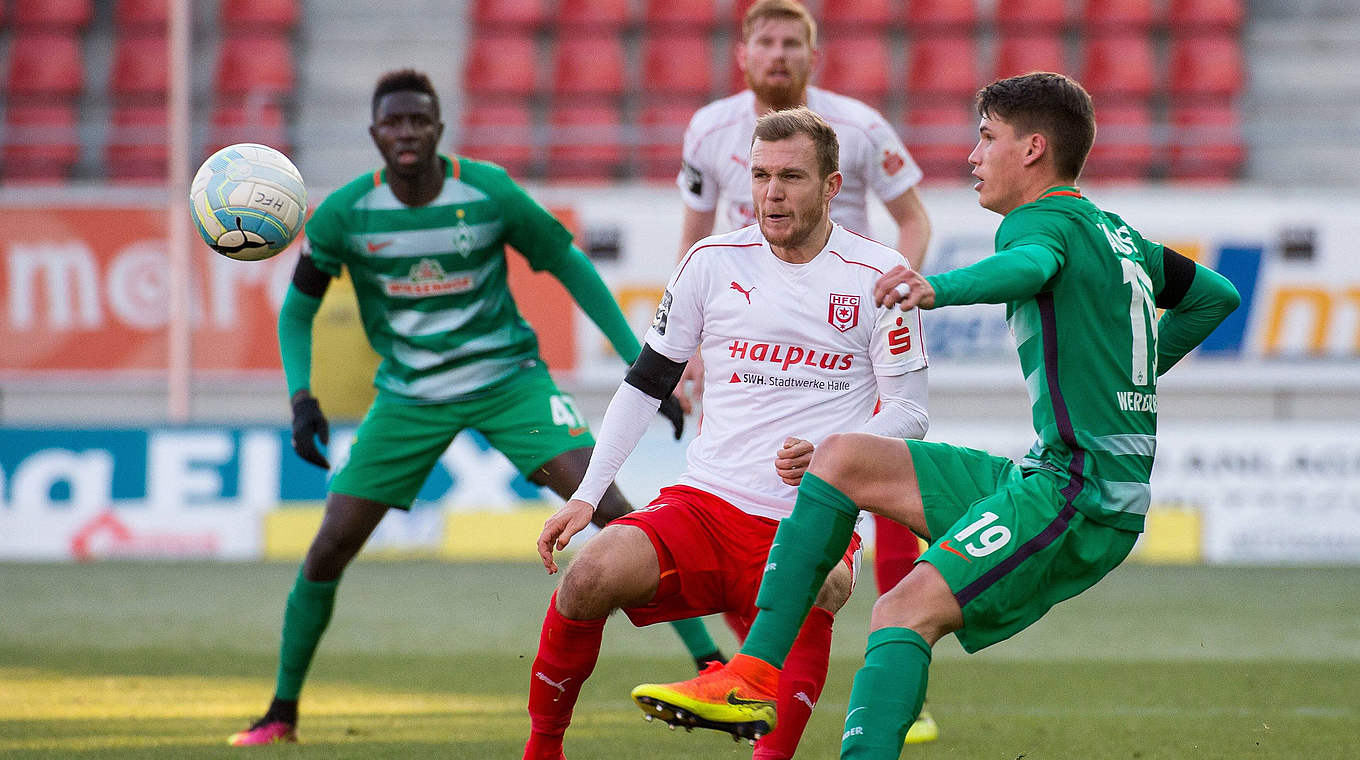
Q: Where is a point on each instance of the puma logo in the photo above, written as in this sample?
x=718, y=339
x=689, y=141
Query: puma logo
x=805, y=699
x=743, y=291
x=561, y=687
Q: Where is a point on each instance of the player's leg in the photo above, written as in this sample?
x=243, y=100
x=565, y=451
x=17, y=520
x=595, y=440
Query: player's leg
x=617, y=568
x=895, y=551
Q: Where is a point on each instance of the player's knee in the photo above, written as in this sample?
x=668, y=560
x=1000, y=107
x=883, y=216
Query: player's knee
x=585, y=590
x=922, y=602
x=835, y=592
x=328, y=556
x=834, y=459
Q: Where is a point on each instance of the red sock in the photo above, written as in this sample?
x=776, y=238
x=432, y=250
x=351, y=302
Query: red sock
x=895, y=551
x=800, y=686
x=567, y=650
x=739, y=626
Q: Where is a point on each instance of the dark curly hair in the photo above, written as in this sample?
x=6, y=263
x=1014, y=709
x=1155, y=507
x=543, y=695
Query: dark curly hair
x=404, y=80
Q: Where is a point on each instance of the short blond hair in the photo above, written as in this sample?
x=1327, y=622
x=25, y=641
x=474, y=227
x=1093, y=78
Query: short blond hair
x=779, y=9
x=781, y=125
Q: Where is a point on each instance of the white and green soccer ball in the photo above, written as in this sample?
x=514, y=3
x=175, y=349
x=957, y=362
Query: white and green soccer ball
x=248, y=201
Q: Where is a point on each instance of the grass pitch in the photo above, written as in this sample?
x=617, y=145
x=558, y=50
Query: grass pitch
x=427, y=660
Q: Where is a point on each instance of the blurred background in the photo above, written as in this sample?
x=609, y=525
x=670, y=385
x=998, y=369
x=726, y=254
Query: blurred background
x=1227, y=130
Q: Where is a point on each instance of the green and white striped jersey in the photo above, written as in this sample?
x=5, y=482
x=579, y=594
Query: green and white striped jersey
x=431, y=280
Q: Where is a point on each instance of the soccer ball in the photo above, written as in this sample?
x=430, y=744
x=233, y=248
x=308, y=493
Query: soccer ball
x=248, y=201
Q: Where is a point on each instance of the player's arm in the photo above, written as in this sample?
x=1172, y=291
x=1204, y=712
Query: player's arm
x=1196, y=299
x=1008, y=275
x=902, y=406
x=296, y=316
x=913, y=226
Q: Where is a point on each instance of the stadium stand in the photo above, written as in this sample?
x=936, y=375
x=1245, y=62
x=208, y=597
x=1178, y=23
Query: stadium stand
x=662, y=130
x=501, y=64
x=858, y=65
x=142, y=15
x=1031, y=15
x=277, y=16
x=45, y=65
x=1207, y=66
x=136, y=150
x=857, y=15
x=589, y=64
x=1119, y=64
x=942, y=67
x=1206, y=143
x=1125, y=150
x=1118, y=15
x=587, y=143
x=941, y=15
x=254, y=121
x=140, y=67
x=601, y=16
x=677, y=65
x=1019, y=54
x=41, y=143
x=940, y=138
x=499, y=15
x=254, y=66
x=54, y=15
x=1203, y=15
x=690, y=16
x=500, y=132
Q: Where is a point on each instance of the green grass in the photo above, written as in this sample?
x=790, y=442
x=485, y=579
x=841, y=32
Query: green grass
x=429, y=660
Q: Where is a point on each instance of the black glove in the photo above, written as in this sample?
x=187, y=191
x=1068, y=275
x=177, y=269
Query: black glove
x=308, y=421
x=670, y=409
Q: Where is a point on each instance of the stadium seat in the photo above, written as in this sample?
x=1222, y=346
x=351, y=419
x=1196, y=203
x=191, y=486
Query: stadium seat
x=500, y=15
x=691, y=15
x=44, y=65
x=500, y=132
x=677, y=65
x=1206, y=143
x=942, y=66
x=661, y=130
x=258, y=122
x=137, y=148
x=1202, y=15
x=936, y=15
x=149, y=15
x=52, y=14
x=1206, y=66
x=140, y=66
x=254, y=65
x=940, y=137
x=41, y=143
x=1103, y=16
x=259, y=16
x=593, y=15
x=1031, y=15
x=1023, y=54
x=586, y=143
x=589, y=64
x=1119, y=64
x=858, y=65
x=502, y=64
x=1125, y=148
x=862, y=15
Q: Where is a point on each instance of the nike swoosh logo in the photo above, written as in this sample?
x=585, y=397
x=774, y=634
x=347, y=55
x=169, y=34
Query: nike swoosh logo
x=735, y=701
x=375, y=247
x=573, y=432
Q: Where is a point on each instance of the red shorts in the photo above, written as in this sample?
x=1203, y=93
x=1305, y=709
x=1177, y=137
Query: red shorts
x=712, y=556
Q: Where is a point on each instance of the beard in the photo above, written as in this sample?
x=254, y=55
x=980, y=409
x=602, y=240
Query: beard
x=780, y=96
x=793, y=235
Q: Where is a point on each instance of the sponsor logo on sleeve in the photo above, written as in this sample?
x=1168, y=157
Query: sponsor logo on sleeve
x=893, y=162
x=899, y=340
x=663, y=313
x=843, y=312
x=694, y=179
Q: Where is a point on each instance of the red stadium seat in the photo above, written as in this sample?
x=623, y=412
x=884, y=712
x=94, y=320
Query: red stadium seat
x=678, y=65
x=1206, y=143
x=662, y=131
x=41, y=143
x=137, y=148
x=858, y=65
x=1031, y=15
x=500, y=132
x=587, y=143
x=1206, y=66
x=957, y=15
x=259, y=16
x=502, y=64
x=45, y=64
x=52, y=14
x=152, y=15
x=941, y=66
x=940, y=138
x=509, y=14
x=255, y=65
x=1119, y=64
x=873, y=14
x=1200, y=15
x=1023, y=54
x=593, y=15
x=140, y=66
x=1118, y=15
x=589, y=64
x=691, y=15
x=1125, y=148
x=251, y=122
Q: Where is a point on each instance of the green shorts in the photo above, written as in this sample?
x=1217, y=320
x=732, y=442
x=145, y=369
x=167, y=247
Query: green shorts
x=527, y=419
x=1007, y=542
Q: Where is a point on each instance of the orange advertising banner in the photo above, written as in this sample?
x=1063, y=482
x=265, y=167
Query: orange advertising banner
x=87, y=290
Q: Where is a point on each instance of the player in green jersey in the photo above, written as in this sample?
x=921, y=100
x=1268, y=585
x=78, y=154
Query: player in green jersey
x=424, y=242
x=1008, y=540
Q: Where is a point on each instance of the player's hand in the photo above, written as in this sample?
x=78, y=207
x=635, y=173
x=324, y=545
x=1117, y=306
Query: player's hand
x=670, y=409
x=904, y=288
x=558, y=530
x=691, y=386
x=310, y=424
x=792, y=460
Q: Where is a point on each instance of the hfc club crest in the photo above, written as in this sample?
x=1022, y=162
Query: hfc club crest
x=843, y=312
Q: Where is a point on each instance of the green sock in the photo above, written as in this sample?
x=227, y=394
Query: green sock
x=887, y=696
x=807, y=545
x=696, y=638
x=304, y=620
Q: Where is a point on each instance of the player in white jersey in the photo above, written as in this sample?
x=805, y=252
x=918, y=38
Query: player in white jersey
x=798, y=351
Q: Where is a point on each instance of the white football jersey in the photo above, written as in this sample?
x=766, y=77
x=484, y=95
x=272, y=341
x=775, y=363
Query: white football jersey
x=790, y=350
x=716, y=172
